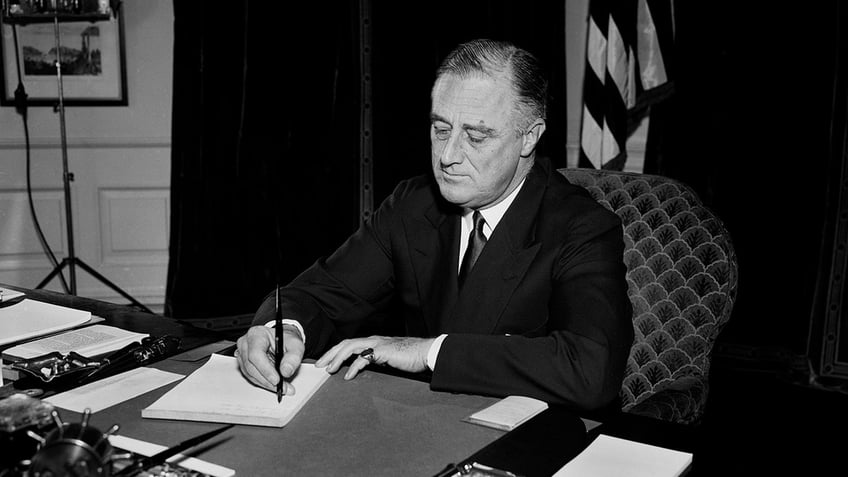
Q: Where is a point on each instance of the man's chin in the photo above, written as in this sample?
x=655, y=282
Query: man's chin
x=453, y=194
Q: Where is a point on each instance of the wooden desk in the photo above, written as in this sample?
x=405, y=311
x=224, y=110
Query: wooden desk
x=377, y=424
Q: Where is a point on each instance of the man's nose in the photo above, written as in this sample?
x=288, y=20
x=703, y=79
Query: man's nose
x=451, y=153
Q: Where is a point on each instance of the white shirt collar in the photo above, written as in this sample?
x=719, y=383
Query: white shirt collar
x=492, y=215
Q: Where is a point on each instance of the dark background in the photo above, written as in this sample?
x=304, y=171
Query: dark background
x=266, y=138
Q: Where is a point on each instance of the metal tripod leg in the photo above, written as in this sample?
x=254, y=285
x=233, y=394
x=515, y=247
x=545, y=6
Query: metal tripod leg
x=97, y=275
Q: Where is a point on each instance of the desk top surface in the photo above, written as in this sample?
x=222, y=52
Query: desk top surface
x=376, y=424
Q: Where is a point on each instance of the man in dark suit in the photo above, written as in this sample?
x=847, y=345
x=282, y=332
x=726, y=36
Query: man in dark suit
x=541, y=307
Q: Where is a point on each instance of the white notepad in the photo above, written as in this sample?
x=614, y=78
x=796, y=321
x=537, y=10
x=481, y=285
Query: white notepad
x=31, y=318
x=610, y=456
x=217, y=392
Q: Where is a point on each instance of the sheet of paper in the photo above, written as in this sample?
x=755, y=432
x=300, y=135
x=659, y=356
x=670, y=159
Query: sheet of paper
x=31, y=318
x=508, y=413
x=7, y=294
x=113, y=390
x=217, y=392
x=147, y=449
x=609, y=456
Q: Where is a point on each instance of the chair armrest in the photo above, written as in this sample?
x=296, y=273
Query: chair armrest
x=682, y=402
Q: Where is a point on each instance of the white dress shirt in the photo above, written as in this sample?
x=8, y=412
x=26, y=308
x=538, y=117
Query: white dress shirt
x=492, y=216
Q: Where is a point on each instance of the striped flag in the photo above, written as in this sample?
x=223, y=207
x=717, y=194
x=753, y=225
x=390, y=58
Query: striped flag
x=622, y=36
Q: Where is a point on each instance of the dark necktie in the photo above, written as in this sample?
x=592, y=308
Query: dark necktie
x=476, y=242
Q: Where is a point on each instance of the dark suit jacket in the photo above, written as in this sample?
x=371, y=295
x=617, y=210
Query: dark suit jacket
x=544, y=312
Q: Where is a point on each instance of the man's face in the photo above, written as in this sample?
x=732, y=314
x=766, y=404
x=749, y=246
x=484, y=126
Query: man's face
x=476, y=149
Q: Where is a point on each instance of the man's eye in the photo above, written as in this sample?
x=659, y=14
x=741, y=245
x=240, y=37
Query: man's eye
x=476, y=138
x=441, y=133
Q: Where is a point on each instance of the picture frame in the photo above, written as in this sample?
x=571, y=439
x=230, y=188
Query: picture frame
x=93, y=69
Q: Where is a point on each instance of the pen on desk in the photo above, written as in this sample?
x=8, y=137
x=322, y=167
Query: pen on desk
x=278, y=351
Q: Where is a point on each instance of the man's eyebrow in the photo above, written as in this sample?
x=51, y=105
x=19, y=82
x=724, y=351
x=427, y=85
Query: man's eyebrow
x=435, y=117
x=466, y=127
x=479, y=128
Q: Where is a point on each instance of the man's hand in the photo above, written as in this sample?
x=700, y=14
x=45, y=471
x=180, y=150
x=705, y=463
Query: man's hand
x=255, y=356
x=405, y=354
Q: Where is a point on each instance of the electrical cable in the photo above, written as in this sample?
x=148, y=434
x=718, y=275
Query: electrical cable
x=20, y=106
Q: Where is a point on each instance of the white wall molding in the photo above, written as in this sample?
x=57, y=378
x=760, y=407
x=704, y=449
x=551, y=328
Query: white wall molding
x=87, y=143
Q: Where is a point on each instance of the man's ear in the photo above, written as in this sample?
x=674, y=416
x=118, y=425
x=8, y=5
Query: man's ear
x=532, y=136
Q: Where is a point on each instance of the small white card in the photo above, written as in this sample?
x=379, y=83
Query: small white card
x=113, y=390
x=508, y=413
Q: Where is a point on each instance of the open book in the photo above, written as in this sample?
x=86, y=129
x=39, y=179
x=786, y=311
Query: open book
x=88, y=341
x=217, y=392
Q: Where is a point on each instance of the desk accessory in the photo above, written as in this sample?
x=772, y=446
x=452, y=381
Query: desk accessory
x=160, y=458
x=56, y=369
x=56, y=372
x=21, y=415
x=545, y=443
x=73, y=449
x=473, y=469
x=278, y=334
x=179, y=465
x=134, y=355
x=37, y=443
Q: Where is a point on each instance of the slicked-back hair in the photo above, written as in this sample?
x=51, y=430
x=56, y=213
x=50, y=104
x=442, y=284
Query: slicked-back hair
x=495, y=58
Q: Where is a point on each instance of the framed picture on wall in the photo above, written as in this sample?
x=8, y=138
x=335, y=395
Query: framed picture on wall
x=93, y=71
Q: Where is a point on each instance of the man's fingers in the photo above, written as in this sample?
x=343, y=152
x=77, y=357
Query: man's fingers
x=293, y=355
x=328, y=356
x=253, y=375
x=336, y=356
x=355, y=367
x=254, y=353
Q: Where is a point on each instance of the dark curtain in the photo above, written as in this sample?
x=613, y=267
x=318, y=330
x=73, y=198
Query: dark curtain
x=264, y=146
x=748, y=127
x=266, y=119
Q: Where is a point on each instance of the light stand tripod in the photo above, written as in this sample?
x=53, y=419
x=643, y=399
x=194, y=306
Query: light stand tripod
x=72, y=261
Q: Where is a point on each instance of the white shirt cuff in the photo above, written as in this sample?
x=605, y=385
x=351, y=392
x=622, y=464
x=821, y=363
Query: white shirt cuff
x=433, y=353
x=294, y=323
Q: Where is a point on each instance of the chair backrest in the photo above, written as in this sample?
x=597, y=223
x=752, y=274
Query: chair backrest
x=682, y=276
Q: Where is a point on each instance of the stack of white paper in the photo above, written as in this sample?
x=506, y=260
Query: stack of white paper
x=31, y=318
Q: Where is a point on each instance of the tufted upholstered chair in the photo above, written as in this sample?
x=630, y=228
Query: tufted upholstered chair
x=682, y=277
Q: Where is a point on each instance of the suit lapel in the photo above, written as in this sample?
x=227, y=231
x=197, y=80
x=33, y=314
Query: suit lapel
x=434, y=245
x=502, y=264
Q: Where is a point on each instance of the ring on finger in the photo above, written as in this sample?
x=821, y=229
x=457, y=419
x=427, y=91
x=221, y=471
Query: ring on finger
x=368, y=355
